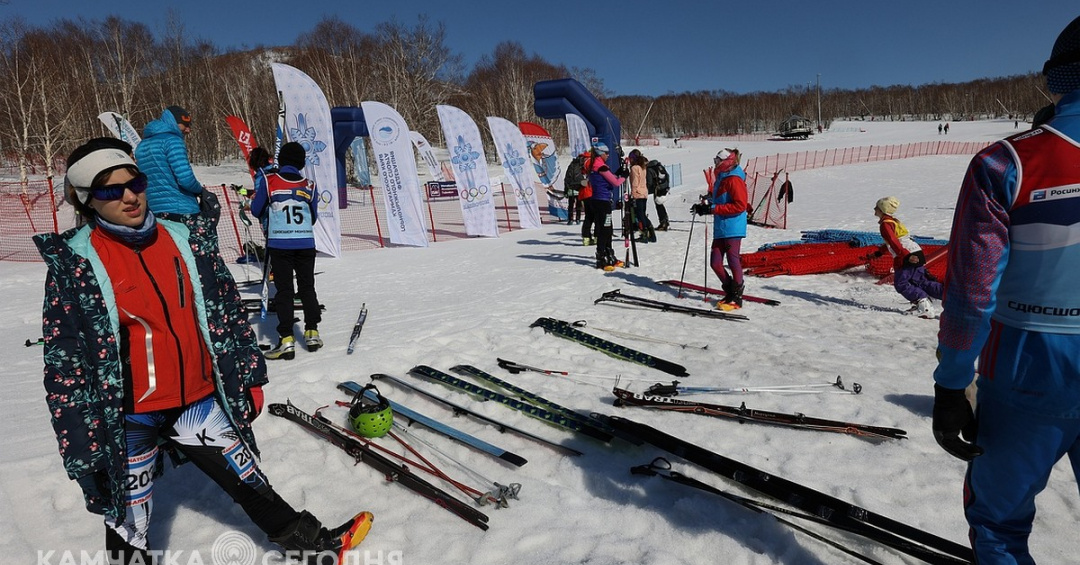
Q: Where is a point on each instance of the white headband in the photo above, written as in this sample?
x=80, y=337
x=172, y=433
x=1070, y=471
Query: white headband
x=81, y=174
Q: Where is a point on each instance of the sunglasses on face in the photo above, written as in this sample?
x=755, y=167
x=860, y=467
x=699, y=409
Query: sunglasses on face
x=136, y=185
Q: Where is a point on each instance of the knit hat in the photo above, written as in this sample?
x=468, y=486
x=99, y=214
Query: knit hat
x=90, y=160
x=600, y=147
x=292, y=155
x=726, y=159
x=182, y=116
x=1062, y=69
x=888, y=205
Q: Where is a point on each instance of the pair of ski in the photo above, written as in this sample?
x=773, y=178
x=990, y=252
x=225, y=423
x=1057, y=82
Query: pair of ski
x=813, y=505
x=393, y=471
x=618, y=297
x=624, y=398
x=708, y=290
x=534, y=405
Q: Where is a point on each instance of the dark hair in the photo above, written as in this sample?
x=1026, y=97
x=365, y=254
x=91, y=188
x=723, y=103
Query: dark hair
x=258, y=158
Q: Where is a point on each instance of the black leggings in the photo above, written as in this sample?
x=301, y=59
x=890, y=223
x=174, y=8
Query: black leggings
x=284, y=263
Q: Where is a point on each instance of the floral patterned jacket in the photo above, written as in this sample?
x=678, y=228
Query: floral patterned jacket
x=83, y=374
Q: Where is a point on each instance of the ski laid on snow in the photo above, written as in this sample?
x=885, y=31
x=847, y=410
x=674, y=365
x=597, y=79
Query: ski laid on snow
x=548, y=416
x=393, y=471
x=458, y=410
x=438, y=427
x=253, y=305
x=744, y=414
x=620, y=298
x=533, y=398
x=568, y=331
x=839, y=513
x=357, y=328
x=709, y=290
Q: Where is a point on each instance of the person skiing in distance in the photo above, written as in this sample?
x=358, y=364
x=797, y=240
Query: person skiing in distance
x=910, y=278
x=146, y=345
x=287, y=200
x=604, y=186
x=173, y=191
x=727, y=203
x=1011, y=307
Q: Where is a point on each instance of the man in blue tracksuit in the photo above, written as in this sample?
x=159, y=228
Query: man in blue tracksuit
x=1011, y=303
x=287, y=200
x=162, y=156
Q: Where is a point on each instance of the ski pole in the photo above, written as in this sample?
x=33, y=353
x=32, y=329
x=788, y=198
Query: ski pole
x=689, y=238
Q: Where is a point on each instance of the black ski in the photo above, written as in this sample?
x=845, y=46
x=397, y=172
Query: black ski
x=357, y=328
x=459, y=410
x=393, y=471
x=845, y=515
x=618, y=297
x=568, y=331
x=661, y=467
x=532, y=397
x=743, y=414
x=548, y=416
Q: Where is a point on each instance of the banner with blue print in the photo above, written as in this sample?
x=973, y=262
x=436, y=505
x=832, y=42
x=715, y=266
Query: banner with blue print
x=308, y=122
x=396, y=162
x=470, y=171
x=512, y=148
x=427, y=155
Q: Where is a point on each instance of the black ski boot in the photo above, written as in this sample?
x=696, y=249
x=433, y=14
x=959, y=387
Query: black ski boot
x=316, y=545
x=732, y=299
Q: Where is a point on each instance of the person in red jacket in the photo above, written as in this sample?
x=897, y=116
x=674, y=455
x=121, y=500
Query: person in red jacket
x=148, y=352
x=910, y=278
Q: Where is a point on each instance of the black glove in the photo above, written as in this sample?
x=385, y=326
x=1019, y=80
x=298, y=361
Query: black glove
x=953, y=417
x=701, y=209
x=623, y=172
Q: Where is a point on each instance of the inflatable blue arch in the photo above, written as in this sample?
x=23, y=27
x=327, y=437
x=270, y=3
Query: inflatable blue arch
x=348, y=123
x=556, y=98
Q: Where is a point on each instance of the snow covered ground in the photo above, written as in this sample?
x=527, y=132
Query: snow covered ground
x=470, y=301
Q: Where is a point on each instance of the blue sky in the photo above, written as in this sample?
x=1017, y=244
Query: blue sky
x=662, y=46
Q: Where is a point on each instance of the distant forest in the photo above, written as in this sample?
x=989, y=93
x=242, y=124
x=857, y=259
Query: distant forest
x=57, y=79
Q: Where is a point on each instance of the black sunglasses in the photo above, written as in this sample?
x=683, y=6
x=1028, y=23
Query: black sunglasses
x=136, y=185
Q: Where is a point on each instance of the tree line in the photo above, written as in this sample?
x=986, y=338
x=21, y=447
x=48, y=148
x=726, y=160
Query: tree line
x=56, y=79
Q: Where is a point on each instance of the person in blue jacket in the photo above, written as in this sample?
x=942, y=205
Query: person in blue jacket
x=287, y=200
x=727, y=204
x=163, y=158
x=1011, y=306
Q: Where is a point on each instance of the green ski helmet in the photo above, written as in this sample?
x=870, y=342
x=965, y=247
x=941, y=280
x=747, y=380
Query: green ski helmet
x=370, y=418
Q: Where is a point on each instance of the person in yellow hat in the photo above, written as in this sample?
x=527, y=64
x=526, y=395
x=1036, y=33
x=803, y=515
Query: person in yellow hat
x=910, y=278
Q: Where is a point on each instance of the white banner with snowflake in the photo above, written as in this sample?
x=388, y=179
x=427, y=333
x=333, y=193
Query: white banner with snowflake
x=308, y=122
x=470, y=171
x=511, y=146
x=397, y=171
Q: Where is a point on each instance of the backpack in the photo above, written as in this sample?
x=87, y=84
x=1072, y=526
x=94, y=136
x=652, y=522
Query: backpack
x=656, y=178
x=573, y=181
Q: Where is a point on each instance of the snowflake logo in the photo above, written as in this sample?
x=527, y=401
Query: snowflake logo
x=512, y=160
x=464, y=156
x=307, y=137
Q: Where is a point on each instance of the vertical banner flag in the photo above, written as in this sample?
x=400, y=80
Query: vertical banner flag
x=307, y=122
x=542, y=153
x=512, y=148
x=397, y=169
x=360, y=163
x=470, y=170
x=120, y=127
x=427, y=155
x=546, y=164
x=243, y=138
x=578, y=133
